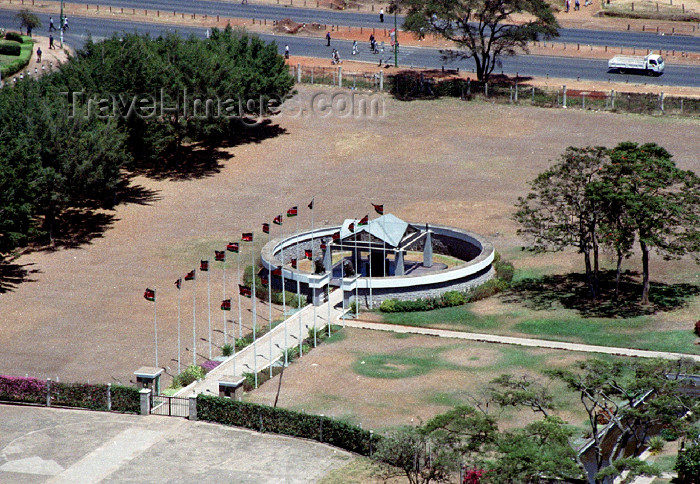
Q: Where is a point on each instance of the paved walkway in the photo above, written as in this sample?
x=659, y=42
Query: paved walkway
x=39, y=444
x=538, y=343
x=257, y=356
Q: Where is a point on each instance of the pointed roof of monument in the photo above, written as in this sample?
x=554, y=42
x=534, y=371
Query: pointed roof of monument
x=387, y=228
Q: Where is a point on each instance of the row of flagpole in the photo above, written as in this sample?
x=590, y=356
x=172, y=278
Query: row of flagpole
x=220, y=256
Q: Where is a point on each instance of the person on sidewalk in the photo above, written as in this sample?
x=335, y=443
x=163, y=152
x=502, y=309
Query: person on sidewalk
x=328, y=39
x=38, y=55
x=65, y=23
x=52, y=27
x=381, y=15
x=51, y=42
x=286, y=51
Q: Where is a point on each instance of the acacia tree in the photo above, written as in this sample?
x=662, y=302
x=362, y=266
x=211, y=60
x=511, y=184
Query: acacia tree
x=558, y=213
x=625, y=402
x=652, y=197
x=28, y=20
x=482, y=29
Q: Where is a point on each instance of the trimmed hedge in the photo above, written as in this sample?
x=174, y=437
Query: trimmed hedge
x=286, y=422
x=33, y=390
x=126, y=399
x=9, y=47
x=22, y=389
x=14, y=36
x=26, y=49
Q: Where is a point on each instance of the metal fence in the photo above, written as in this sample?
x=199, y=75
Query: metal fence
x=170, y=406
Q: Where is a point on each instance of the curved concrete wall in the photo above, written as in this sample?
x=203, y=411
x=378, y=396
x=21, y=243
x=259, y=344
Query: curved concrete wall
x=466, y=275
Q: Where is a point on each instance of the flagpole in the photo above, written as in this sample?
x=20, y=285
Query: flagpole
x=328, y=289
x=240, y=326
x=312, y=262
x=194, y=320
x=301, y=338
x=255, y=316
x=357, y=276
x=225, y=336
x=179, y=298
x=155, y=323
x=370, y=268
x=342, y=273
x=209, y=304
x=269, y=304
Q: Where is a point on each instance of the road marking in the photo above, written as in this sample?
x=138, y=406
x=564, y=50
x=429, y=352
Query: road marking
x=109, y=457
x=33, y=465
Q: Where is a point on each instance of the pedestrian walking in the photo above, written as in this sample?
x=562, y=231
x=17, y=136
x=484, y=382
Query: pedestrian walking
x=286, y=51
x=50, y=41
x=38, y=55
x=29, y=31
x=381, y=15
x=354, y=47
x=52, y=27
x=65, y=23
x=328, y=39
x=568, y=5
x=577, y=5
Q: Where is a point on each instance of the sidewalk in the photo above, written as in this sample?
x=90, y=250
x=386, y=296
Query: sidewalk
x=537, y=343
x=257, y=356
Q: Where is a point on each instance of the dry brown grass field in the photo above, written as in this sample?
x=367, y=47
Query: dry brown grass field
x=78, y=312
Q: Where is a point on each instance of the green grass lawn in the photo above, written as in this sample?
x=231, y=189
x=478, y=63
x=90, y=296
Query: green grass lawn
x=10, y=65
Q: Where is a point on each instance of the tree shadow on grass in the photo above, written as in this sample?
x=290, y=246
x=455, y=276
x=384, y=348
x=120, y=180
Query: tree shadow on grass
x=78, y=226
x=570, y=291
x=204, y=159
x=12, y=275
x=128, y=192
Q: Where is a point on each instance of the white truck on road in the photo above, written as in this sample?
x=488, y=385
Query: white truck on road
x=652, y=64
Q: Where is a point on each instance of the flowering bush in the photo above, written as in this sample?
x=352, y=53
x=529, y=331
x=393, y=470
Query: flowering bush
x=22, y=389
x=473, y=476
x=209, y=365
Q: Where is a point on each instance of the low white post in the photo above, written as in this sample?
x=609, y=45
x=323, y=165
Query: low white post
x=145, y=395
x=193, y=407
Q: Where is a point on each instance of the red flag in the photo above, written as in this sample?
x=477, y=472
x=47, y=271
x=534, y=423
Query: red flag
x=232, y=247
x=292, y=212
x=351, y=227
x=294, y=263
x=311, y=204
x=378, y=208
x=336, y=236
x=150, y=294
x=364, y=220
x=323, y=246
x=247, y=237
x=308, y=254
x=277, y=272
x=266, y=228
x=178, y=283
x=264, y=280
x=226, y=305
x=244, y=291
x=220, y=255
x=204, y=265
x=278, y=220
x=190, y=275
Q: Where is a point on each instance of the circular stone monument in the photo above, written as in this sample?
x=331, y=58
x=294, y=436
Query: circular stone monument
x=383, y=258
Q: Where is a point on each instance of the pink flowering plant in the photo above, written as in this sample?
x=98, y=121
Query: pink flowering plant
x=22, y=389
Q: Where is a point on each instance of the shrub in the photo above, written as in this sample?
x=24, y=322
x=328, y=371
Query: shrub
x=453, y=298
x=388, y=306
x=10, y=48
x=487, y=289
x=126, y=399
x=22, y=389
x=227, y=349
x=697, y=327
x=354, y=307
x=504, y=271
x=79, y=395
x=14, y=36
x=209, y=365
x=656, y=444
x=286, y=422
x=191, y=373
x=688, y=465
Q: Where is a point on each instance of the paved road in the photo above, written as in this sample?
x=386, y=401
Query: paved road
x=531, y=342
x=540, y=66
x=40, y=445
x=326, y=16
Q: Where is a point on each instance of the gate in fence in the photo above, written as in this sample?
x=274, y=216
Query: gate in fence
x=170, y=406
